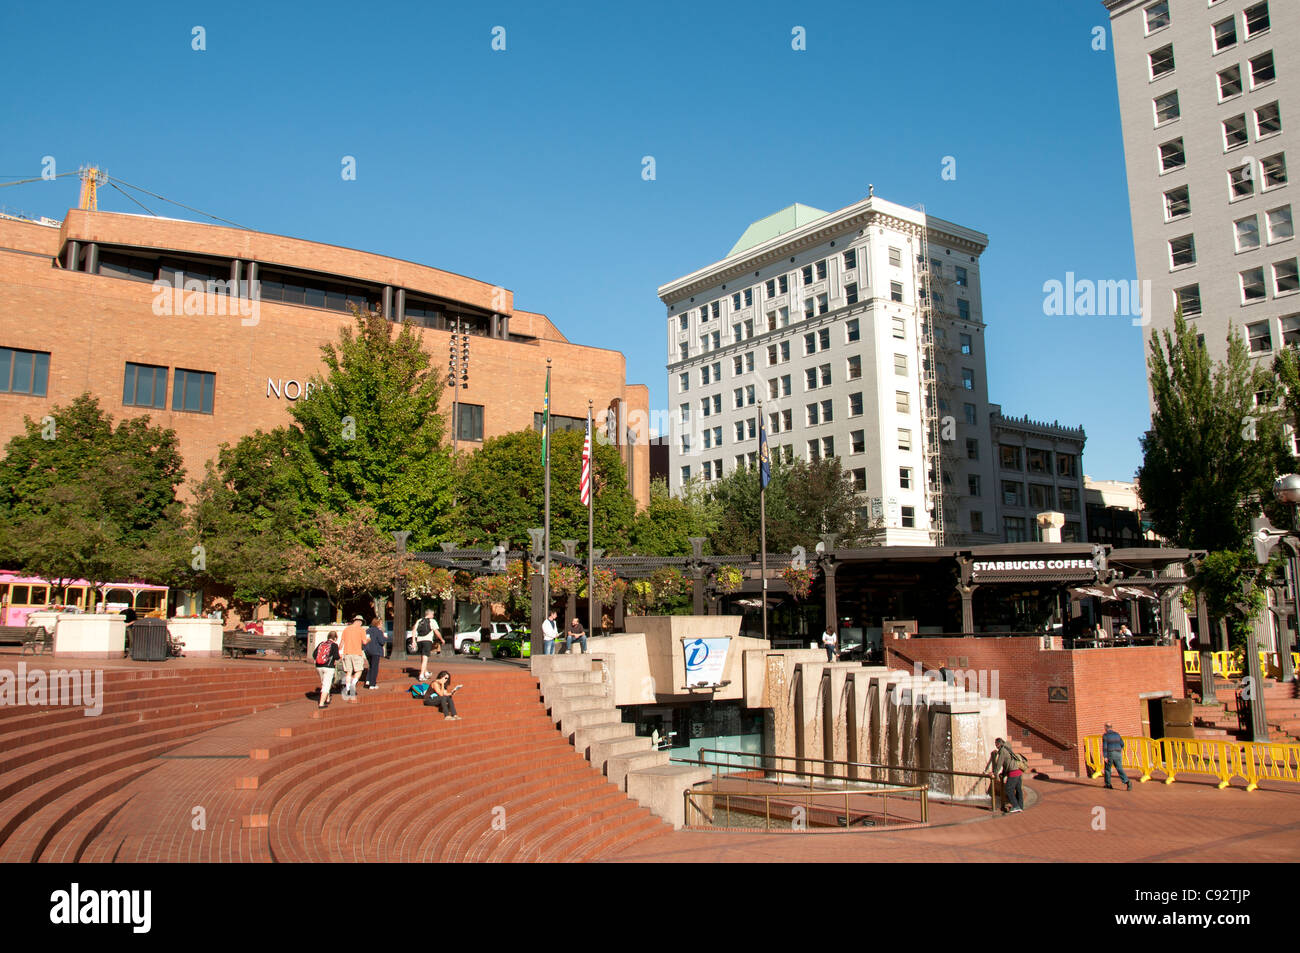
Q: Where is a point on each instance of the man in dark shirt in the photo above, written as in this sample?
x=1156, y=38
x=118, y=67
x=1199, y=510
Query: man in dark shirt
x=1112, y=749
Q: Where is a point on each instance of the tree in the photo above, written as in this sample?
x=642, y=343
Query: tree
x=665, y=526
x=352, y=558
x=373, y=430
x=500, y=492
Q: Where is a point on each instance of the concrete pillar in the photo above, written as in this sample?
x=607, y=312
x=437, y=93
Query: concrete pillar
x=399, y=306
x=71, y=254
x=388, y=302
x=92, y=258
x=399, y=587
x=1204, y=648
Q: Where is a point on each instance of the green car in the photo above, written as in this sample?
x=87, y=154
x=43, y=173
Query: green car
x=516, y=645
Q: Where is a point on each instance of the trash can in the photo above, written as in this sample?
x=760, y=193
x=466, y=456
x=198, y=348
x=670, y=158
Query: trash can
x=149, y=640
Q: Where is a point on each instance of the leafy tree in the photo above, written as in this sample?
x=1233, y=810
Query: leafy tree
x=352, y=558
x=665, y=526
x=501, y=492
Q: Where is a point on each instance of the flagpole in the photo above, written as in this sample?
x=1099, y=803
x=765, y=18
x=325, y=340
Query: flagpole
x=546, y=491
x=762, y=508
x=592, y=621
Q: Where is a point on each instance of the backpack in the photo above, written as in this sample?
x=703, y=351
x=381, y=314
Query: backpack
x=1018, y=762
x=422, y=627
x=419, y=689
x=323, y=653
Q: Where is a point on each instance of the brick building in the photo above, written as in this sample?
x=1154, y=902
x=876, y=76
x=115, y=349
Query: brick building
x=154, y=316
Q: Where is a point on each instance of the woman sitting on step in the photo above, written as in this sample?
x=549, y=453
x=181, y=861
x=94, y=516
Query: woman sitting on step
x=440, y=695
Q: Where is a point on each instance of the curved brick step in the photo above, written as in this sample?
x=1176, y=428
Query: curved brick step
x=616, y=833
x=600, y=814
x=71, y=818
x=477, y=844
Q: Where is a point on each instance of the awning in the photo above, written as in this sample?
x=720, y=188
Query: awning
x=1119, y=593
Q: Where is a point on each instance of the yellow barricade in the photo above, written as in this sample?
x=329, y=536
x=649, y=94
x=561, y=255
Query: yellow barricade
x=1191, y=663
x=1251, y=761
x=1227, y=664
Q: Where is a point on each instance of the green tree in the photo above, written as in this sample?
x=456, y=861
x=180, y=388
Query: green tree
x=665, y=526
x=500, y=492
x=352, y=558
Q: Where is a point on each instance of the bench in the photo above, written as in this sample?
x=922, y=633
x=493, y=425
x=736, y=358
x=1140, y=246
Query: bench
x=32, y=637
x=239, y=644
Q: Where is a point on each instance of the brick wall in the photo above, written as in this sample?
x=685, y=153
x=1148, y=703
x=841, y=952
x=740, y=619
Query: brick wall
x=1103, y=685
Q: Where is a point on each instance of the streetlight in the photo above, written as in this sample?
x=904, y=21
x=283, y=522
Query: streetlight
x=1287, y=490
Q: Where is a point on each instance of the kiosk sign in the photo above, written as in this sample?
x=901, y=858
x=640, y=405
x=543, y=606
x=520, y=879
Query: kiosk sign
x=706, y=660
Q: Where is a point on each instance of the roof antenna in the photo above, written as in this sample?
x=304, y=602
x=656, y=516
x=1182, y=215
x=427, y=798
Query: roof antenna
x=871, y=190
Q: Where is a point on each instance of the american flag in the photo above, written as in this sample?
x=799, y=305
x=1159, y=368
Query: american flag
x=584, y=485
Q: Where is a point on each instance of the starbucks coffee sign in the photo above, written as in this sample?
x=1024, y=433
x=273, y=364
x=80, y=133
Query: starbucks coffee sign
x=1019, y=567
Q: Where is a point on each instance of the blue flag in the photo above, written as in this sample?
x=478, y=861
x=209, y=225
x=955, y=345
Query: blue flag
x=764, y=456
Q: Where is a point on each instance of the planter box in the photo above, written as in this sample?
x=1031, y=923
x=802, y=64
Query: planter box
x=100, y=635
x=200, y=636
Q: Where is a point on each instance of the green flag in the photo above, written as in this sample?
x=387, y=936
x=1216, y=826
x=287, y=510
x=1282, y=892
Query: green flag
x=546, y=419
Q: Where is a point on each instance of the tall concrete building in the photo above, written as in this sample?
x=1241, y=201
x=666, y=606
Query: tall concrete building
x=858, y=334
x=1209, y=92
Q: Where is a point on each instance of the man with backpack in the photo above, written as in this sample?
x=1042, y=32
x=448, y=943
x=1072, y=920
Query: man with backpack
x=325, y=657
x=1112, y=750
x=1011, y=766
x=426, y=632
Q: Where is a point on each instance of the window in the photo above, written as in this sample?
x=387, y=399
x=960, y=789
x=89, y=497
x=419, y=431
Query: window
x=1161, y=61
x=904, y=439
x=779, y=387
x=976, y=521
x=850, y=259
x=684, y=321
x=1229, y=83
x=1280, y=226
x=813, y=411
x=735, y=301
x=27, y=372
x=854, y=368
x=814, y=450
x=896, y=257
x=1177, y=203
x=1157, y=16
x=1189, y=299
x=683, y=351
x=825, y=371
x=1182, y=251
x=717, y=308
x=902, y=402
x=1039, y=461
x=965, y=341
x=855, y=405
x=749, y=297
x=810, y=343
x=973, y=484
x=1013, y=528
x=909, y=517
x=1172, y=155
x=1262, y=70
x=706, y=406
x=739, y=396
x=685, y=413
x=469, y=422
x=1069, y=499
x=823, y=304
x=717, y=340
x=1246, y=232
x=1291, y=330
x=1285, y=277
x=972, y=449
x=193, y=391
x=851, y=293
x=961, y=277
x=1273, y=170
x=828, y=447
x=145, y=386
x=809, y=307
x=1268, y=121
x=771, y=287
x=904, y=478
x=851, y=331
x=708, y=469
x=717, y=403
x=858, y=441
x=1252, y=285
x=1240, y=184
x=900, y=327
x=967, y=378
x=1013, y=493
x=1009, y=457
x=1041, y=497
x=1225, y=36
x=895, y=291
x=1166, y=107
x=735, y=332
x=705, y=372
x=821, y=270
x=1234, y=133
x=1256, y=20
x=1261, y=338
x=970, y=413
x=1066, y=464
x=900, y=365
x=683, y=382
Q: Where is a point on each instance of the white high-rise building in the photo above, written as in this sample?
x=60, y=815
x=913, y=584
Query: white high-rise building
x=1208, y=93
x=858, y=334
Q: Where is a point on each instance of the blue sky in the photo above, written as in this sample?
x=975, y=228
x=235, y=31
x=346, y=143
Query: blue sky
x=523, y=167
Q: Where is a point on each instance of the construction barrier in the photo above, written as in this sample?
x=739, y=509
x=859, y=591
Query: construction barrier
x=1226, y=664
x=1251, y=761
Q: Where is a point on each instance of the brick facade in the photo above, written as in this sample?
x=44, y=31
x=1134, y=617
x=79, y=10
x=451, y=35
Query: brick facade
x=1102, y=684
x=92, y=325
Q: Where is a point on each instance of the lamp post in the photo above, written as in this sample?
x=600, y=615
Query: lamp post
x=1287, y=490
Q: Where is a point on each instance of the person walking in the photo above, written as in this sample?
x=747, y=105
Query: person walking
x=354, y=656
x=830, y=642
x=1112, y=750
x=1011, y=767
x=327, y=655
x=426, y=633
x=376, y=641
x=576, y=632
x=550, y=633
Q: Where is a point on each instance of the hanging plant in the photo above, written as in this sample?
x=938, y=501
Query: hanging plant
x=442, y=584
x=728, y=579
x=604, y=581
x=516, y=579
x=565, y=579
x=488, y=589
x=639, y=594
x=667, y=584
x=799, y=581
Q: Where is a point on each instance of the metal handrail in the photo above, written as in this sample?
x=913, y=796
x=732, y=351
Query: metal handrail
x=690, y=794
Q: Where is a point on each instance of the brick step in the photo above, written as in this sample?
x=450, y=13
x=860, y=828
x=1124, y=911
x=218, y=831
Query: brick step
x=571, y=827
x=61, y=828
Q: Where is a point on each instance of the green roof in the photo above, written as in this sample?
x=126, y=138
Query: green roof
x=786, y=220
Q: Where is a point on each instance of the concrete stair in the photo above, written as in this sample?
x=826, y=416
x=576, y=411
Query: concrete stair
x=1040, y=766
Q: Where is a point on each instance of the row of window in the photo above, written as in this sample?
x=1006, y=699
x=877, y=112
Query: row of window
x=1241, y=179
x=145, y=385
x=1223, y=34
x=1262, y=70
x=1041, y=497
x=1012, y=457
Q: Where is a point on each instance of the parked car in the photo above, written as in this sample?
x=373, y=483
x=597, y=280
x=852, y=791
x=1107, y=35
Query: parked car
x=516, y=645
x=500, y=630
